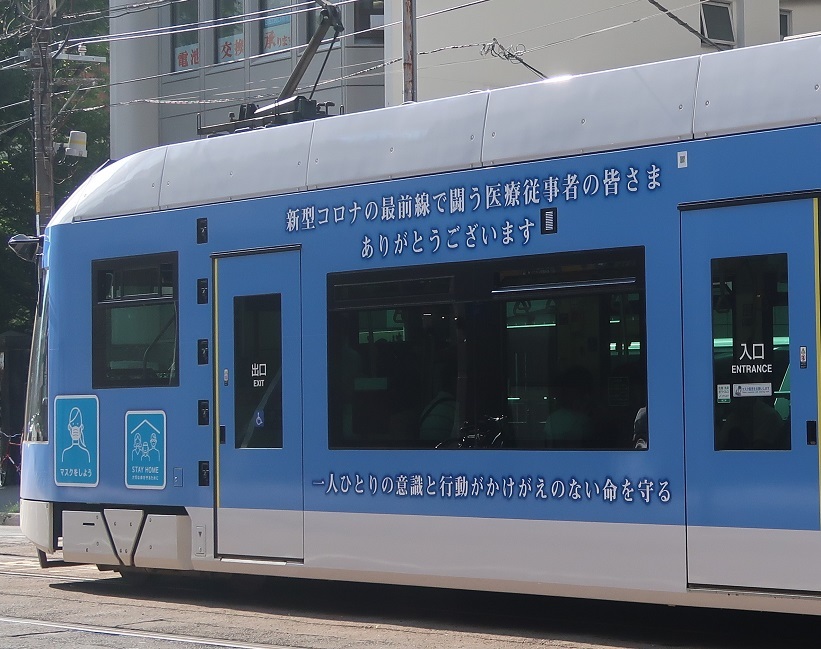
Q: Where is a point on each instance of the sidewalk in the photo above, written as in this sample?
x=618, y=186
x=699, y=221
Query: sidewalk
x=9, y=495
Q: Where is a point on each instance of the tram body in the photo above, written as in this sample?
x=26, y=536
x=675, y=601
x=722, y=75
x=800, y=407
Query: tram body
x=560, y=338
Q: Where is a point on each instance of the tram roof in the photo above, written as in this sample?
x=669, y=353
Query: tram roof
x=737, y=91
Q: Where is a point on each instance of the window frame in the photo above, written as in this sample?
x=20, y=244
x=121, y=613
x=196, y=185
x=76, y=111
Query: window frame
x=101, y=308
x=364, y=9
x=705, y=31
x=785, y=24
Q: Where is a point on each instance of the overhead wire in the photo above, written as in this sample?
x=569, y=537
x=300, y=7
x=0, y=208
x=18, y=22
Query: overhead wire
x=562, y=41
x=361, y=72
x=14, y=124
x=211, y=23
x=613, y=27
x=105, y=14
x=484, y=43
x=290, y=10
x=165, y=99
x=692, y=30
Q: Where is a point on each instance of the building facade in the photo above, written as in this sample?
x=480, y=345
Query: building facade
x=176, y=60
x=180, y=59
x=559, y=38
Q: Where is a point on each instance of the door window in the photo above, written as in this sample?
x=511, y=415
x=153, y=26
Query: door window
x=258, y=371
x=751, y=343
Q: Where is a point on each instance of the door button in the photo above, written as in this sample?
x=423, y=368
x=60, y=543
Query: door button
x=812, y=433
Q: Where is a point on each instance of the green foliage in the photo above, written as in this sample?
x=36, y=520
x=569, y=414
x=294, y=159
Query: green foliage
x=18, y=280
x=80, y=103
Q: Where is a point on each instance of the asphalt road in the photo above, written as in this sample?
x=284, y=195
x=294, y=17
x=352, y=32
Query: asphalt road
x=78, y=606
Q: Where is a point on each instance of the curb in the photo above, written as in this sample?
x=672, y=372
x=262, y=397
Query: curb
x=10, y=519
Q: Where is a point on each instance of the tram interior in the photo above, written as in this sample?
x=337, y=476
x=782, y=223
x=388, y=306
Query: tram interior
x=544, y=354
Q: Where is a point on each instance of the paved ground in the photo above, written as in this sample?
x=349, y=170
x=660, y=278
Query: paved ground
x=9, y=495
x=79, y=607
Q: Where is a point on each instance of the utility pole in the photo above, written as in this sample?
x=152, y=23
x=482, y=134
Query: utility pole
x=409, y=49
x=41, y=69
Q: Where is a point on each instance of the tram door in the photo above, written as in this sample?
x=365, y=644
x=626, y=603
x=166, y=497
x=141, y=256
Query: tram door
x=258, y=401
x=750, y=282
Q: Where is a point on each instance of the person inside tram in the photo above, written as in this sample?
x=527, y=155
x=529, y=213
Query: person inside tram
x=752, y=424
x=641, y=438
x=570, y=425
x=438, y=417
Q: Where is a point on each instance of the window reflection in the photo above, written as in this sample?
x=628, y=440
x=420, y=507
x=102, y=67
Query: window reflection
x=544, y=352
x=185, y=44
x=230, y=42
x=751, y=344
x=134, y=321
x=276, y=25
x=258, y=371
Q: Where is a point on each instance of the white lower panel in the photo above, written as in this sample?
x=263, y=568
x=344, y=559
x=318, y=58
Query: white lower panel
x=124, y=525
x=165, y=542
x=612, y=555
x=86, y=539
x=37, y=523
x=637, y=563
x=259, y=533
x=754, y=558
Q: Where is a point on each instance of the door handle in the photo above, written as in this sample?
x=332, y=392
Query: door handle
x=812, y=432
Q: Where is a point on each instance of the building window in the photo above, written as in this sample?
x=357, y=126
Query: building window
x=185, y=44
x=785, y=23
x=545, y=352
x=369, y=17
x=134, y=321
x=276, y=25
x=717, y=22
x=230, y=42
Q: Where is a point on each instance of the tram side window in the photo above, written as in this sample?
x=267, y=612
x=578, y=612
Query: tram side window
x=135, y=322
x=751, y=345
x=537, y=353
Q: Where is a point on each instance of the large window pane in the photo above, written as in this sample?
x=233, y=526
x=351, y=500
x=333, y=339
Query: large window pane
x=276, y=26
x=751, y=348
x=185, y=44
x=369, y=18
x=230, y=41
x=543, y=352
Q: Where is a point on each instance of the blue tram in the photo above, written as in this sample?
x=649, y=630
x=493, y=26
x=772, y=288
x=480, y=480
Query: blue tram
x=561, y=338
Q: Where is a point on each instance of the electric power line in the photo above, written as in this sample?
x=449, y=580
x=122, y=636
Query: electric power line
x=212, y=23
x=689, y=28
x=380, y=65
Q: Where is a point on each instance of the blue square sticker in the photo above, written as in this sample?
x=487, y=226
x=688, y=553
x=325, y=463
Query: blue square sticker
x=145, y=449
x=77, y=441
